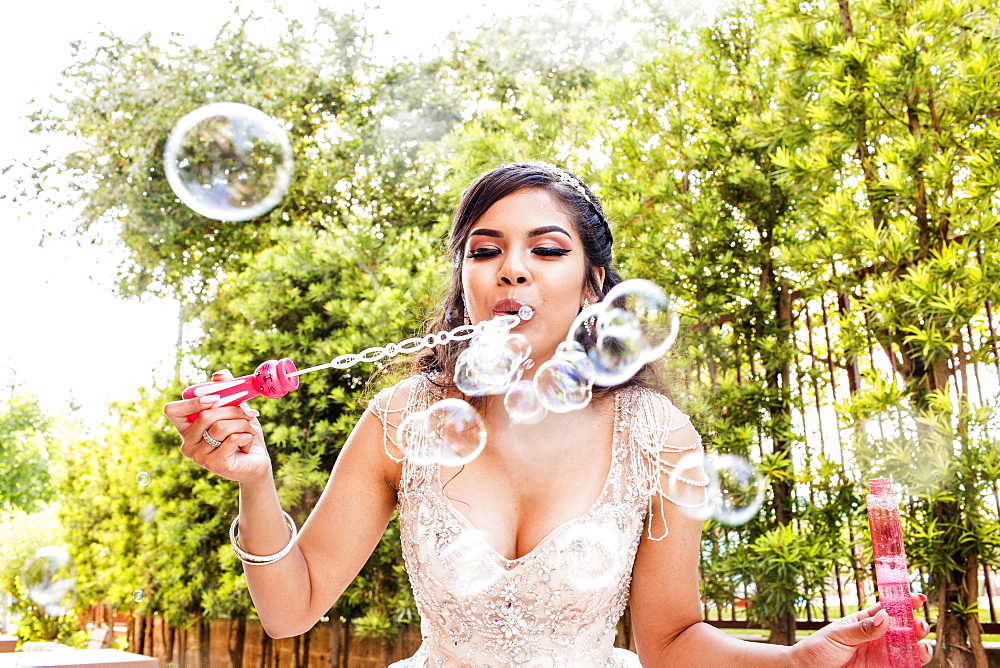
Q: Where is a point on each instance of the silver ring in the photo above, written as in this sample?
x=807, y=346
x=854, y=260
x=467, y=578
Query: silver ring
x=211, y=441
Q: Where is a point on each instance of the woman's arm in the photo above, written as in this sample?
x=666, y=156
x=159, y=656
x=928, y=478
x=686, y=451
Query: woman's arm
x=665, y=599
x=341, y=533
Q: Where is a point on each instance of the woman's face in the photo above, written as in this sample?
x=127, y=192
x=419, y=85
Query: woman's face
x=525, y=251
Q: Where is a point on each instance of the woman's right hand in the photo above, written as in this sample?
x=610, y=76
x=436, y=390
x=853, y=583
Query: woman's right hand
x=242, y=455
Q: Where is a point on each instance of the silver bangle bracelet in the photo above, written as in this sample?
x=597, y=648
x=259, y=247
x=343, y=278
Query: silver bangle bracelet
x=257, y=560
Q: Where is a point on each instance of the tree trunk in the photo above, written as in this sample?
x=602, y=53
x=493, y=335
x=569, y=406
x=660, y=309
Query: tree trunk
x=972, y=626
x=168, y=641
x=204, y=642
x=335, y=631
x=345, y=656
x=150, y=637
x=306, y=640
x=182, y=650
x=237, y=641
x=265, y=651
x=139, y=634
x=783, y=629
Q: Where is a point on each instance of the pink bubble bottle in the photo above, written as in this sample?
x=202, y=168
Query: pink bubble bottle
x=890, y=572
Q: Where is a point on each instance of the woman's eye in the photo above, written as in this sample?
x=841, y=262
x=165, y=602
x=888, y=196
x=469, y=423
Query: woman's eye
x=551, y=251
x=483, y=253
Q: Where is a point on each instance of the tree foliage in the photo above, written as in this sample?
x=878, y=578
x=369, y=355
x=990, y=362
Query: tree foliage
x=25, y=440
x=783, y=168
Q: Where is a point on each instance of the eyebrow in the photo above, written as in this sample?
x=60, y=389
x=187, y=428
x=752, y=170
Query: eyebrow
x=537, y=232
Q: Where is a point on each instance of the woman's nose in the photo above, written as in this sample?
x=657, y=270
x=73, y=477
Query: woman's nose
x=513, y=272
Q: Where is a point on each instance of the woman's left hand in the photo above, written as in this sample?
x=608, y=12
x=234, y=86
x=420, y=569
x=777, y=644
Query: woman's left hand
x=857, y=640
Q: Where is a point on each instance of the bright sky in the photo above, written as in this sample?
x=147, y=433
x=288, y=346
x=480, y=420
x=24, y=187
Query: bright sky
x=64, y=335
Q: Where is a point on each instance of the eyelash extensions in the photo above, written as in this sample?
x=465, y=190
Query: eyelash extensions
x=543, y=251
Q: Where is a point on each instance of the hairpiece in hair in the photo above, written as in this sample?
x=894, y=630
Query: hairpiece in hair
x=567, y=177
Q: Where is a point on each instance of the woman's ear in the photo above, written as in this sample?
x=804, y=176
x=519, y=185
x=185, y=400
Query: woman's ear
x=598, y=280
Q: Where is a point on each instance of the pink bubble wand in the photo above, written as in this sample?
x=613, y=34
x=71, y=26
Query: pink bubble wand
x=276, y=378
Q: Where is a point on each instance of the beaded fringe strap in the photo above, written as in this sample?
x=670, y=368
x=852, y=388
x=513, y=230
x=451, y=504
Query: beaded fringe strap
x=255, y=559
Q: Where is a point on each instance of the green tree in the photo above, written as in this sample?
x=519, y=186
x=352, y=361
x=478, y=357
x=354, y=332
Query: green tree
x=25, y=437
x=895, y=104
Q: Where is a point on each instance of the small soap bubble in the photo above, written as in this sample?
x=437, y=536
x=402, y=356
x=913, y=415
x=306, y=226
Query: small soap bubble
x=469, y=563
x=142, y=479
x=523, y=404
x=138, y=595
x=564, y=383
x=228, y=161
x=457, y=432
x=589, y=555
x=525, y=312
x=49, y=578
x=148, y=513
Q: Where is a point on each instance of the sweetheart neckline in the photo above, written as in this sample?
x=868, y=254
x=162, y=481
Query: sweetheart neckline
x=553, y=533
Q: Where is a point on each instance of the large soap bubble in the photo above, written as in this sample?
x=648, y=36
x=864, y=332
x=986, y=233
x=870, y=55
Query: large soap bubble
x=491, y=362
x=523, y=403
x=633, y=325
x=228, y=161
x=449, y=433
x=564, y=383
x=457, y=428
x=49, y=578
x=724, y=487
x=589, y=555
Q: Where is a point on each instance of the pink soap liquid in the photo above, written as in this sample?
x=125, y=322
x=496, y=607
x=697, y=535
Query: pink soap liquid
x=891, y=575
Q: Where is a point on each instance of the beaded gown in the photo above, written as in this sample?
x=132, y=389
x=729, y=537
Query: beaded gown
x=556, y=606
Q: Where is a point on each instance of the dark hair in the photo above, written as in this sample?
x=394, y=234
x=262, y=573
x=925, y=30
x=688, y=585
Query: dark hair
x=577, y=202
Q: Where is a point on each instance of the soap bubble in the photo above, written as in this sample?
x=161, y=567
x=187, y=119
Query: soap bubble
x=228, y=161
x=450, y=433
x=564, y=382
x=633, y=325
x=739, y=489
x=142, y=479
x=457, y=432
x=688, y=486
x=470, y=563
x=49, y=578
x=148, y=513
x=724, y=487
x=589, y=555
x=138, y=595
x=650, y=312
x=523, y=404
x=490, y=364
x=619, y=350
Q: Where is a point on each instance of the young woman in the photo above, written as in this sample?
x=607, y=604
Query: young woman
x=528, y=554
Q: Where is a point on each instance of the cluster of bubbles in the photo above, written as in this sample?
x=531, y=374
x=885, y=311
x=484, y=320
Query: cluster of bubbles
x=608, y=343
x=231, y=162
x=228, y=161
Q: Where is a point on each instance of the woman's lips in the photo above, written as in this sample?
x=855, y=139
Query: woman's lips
x=510, y=307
